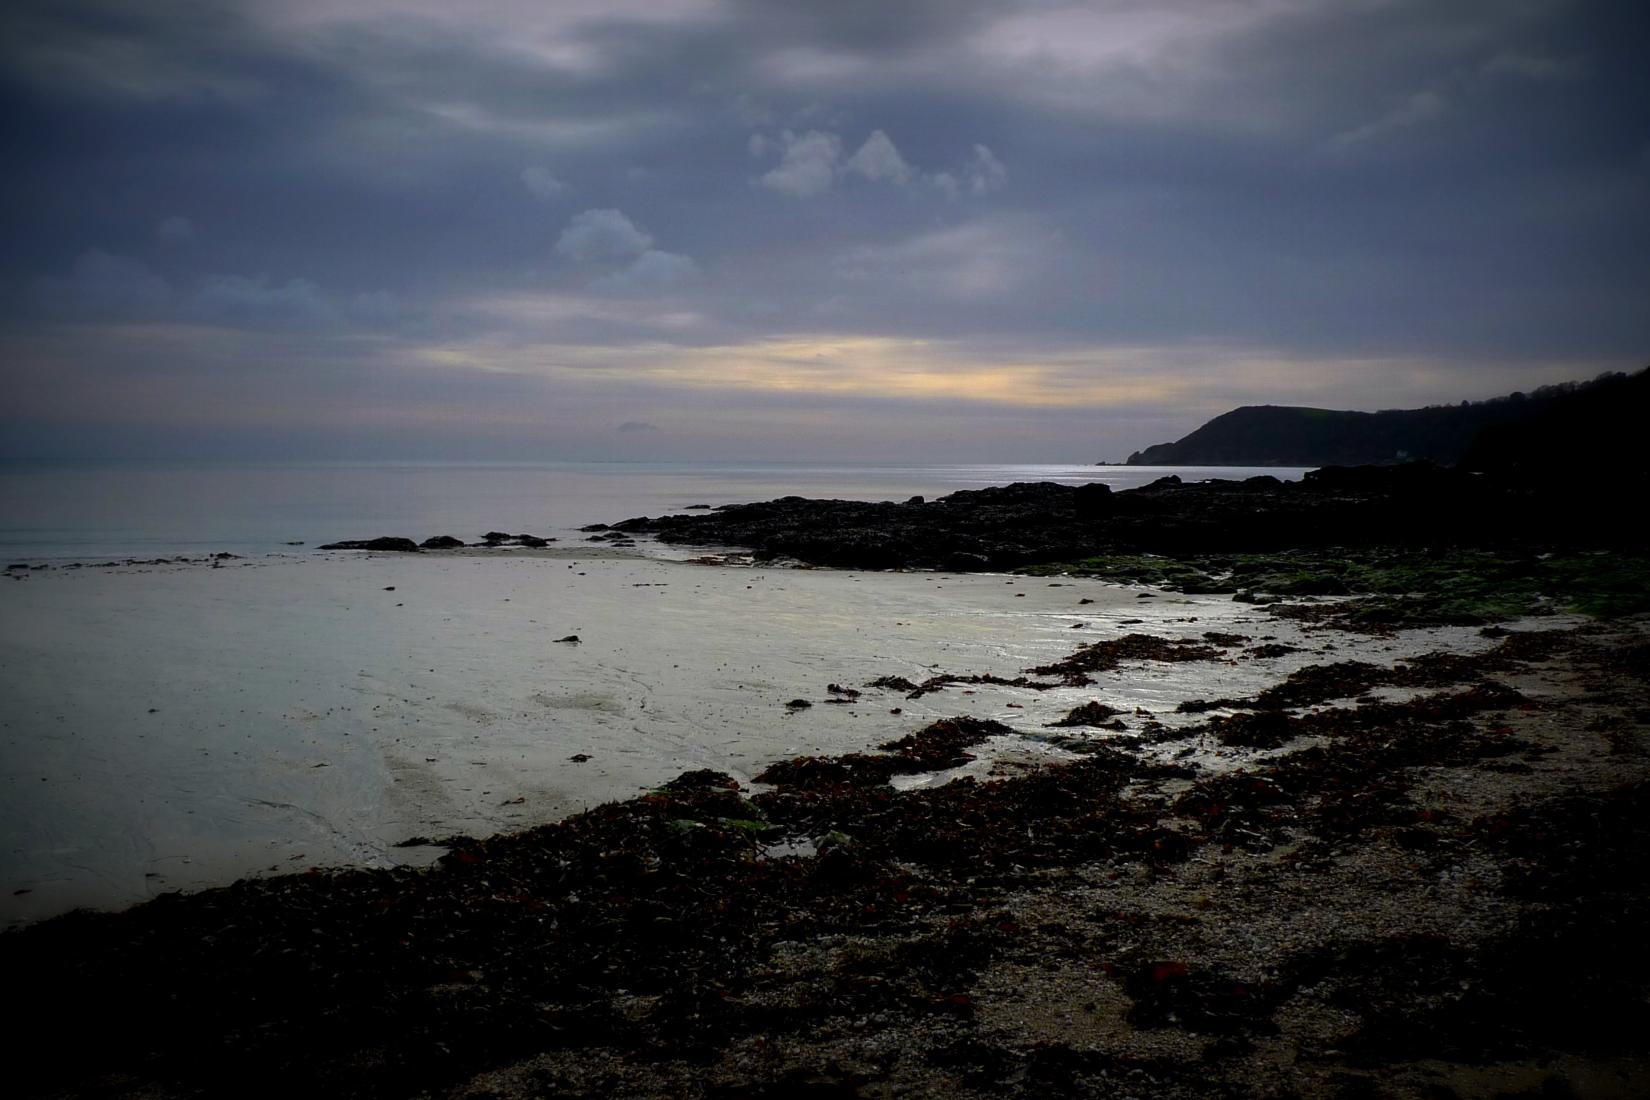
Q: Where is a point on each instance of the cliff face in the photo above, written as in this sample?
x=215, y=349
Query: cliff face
x=1483, y=434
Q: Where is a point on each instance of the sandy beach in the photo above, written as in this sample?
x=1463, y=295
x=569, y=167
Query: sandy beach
x=177, y=726
x=1420, y=879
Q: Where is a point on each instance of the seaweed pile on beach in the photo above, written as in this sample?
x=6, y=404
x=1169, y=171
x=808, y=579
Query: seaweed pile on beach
x=1438, y=895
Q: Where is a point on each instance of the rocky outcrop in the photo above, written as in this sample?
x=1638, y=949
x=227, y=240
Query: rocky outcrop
x=492, y=540
x=1413, y=505
x=388, y=543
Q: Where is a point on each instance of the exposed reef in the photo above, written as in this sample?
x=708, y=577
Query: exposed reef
x=1028, y=524
x=395, y=544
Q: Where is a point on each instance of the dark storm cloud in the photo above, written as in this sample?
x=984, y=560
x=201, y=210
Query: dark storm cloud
x=1159, y=208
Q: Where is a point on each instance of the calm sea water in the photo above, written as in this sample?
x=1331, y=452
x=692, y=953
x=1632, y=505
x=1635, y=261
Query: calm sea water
x=92, y=510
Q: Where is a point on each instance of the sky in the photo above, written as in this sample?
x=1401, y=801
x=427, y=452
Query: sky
x=819, y=230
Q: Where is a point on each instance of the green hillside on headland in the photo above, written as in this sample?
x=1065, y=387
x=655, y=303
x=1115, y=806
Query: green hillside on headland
x=1570, y=422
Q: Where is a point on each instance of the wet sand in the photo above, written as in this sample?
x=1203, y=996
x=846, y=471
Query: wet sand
x=173, y=727
x=1440, y=897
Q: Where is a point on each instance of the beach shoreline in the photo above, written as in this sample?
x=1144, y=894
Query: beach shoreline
x=1151, y=925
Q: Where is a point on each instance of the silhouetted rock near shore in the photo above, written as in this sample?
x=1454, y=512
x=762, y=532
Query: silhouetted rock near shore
x=1416, y=504
x=1565, y=425
x=492, y=540
x=399, y=545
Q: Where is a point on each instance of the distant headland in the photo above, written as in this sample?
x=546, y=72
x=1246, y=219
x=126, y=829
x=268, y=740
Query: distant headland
x=1574, y=421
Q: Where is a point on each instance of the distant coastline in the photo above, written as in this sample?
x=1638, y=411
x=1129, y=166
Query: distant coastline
x=1579, y=421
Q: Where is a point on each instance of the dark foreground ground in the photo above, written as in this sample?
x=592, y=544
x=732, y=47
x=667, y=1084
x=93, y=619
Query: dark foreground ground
x=1436, y=893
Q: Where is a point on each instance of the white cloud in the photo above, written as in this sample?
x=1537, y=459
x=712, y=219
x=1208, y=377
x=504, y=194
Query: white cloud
x=541, y=183
x=602, y=235
x=985, y=172
x=809, y=166
x=1420, y=108
x=878, y=159
x=175, y=230
x=651, y=270
x=622, y=252
x=813, y=163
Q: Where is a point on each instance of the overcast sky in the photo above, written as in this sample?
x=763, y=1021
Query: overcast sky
x=819, y=229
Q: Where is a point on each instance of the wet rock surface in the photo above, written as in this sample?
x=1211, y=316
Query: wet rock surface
x=1369, y=905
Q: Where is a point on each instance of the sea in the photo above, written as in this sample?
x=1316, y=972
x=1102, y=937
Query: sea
x=91, y=510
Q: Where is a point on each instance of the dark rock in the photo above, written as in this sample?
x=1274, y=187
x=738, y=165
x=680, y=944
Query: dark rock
x=1272, y=649
x=1094, y=498
x=1005, y=527
x=964, y=563
x=398, y=545
x=1266, y=729
x=571, y=639
x=442, y=542
x=1093, y=713
x=798, y=704
x=532, y=540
